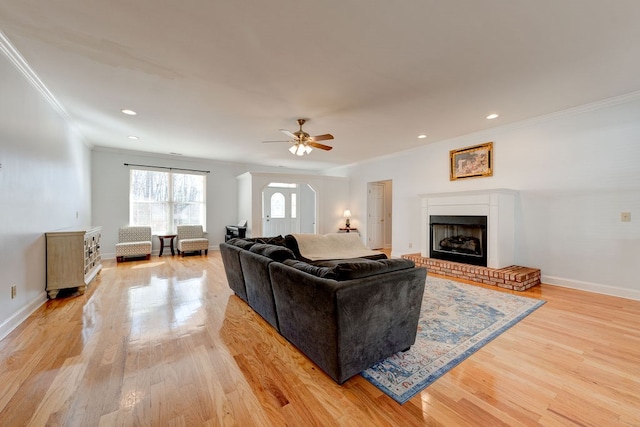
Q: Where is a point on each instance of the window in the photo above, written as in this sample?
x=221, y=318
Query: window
x=166, y=199
x=277, y=205
x=294, y=205
x=282, y=185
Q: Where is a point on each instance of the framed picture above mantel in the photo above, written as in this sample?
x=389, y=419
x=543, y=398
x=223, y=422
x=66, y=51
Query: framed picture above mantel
x=471, y=162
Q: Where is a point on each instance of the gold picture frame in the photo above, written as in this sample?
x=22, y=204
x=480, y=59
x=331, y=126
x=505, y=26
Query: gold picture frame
x=471, y=162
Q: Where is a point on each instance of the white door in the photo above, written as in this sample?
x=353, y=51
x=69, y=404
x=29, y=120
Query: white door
x=280, y=211
x=375, y=215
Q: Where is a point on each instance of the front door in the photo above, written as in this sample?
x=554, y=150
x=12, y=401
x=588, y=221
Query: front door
x=280, y=210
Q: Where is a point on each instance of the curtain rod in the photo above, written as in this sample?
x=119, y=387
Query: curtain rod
x=164, y=167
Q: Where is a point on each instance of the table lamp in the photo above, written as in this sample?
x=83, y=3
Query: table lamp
x=347, y=215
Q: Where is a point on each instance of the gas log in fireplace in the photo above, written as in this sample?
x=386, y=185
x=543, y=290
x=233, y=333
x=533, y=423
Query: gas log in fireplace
x=458, y=238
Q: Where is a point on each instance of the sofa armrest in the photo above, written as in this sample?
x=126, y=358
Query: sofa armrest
x=257, y=281
x=345, y=327
x=231, y=261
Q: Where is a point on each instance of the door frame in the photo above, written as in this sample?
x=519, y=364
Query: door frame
x=312, y=191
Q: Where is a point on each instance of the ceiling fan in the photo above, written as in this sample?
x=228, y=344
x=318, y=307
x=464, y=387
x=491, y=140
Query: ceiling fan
x=302, y=142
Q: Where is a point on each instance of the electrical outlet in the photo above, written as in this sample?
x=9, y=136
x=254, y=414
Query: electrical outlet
x=14, y=290
x=410, y=245
x=625, y=216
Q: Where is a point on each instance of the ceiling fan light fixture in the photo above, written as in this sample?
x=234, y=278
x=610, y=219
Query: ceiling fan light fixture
x=299, y=149
x=302, y=143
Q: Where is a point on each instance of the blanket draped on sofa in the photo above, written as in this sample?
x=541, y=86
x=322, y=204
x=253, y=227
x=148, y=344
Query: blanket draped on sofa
x=316, y=247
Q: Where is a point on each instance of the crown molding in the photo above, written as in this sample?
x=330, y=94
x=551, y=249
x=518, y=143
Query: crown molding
x=28, y=73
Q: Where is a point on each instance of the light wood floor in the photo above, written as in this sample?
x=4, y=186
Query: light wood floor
x=165, y=342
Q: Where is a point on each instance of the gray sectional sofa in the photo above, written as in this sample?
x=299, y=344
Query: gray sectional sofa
x=344, y=314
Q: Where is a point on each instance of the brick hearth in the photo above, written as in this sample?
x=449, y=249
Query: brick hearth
x=512, y=277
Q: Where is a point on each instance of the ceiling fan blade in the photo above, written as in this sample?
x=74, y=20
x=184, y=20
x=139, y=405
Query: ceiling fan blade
x=324, y=137
x=288, y=133
x=320, y=146
x=267, y=142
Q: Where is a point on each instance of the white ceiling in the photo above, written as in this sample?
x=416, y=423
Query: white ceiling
x=214, y=78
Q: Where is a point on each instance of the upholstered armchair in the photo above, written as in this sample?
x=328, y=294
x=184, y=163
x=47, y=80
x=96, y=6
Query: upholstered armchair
x=133, y=241
x=191, y=239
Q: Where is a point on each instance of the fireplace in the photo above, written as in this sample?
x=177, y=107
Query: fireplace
x=459, y=238
x=497, y=242
x=477, y=225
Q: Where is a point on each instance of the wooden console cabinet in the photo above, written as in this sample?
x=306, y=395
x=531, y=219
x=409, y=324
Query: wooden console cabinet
x=73, y=258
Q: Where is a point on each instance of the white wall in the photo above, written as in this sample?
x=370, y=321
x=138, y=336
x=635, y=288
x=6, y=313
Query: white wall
x=333, y=199
x=576, y=171
x=44, y=182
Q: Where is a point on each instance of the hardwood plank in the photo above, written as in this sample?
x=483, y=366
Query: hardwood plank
x=165, y=342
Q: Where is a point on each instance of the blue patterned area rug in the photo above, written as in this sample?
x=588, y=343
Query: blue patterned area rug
x=456, y=320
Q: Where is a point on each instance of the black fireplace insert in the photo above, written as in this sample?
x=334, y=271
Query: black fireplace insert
x=458, y=238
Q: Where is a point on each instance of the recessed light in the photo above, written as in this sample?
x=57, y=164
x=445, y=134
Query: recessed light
x=133, y=137
x=423, y=136
x=492, y=116
x=128, y=112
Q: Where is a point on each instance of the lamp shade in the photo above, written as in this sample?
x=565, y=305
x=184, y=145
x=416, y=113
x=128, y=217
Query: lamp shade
x=300, y=149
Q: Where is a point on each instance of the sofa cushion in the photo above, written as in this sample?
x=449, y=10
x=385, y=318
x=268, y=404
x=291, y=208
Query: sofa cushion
x=197, y=244
x=275, y=252
x=348, y=269
x=356, y=268
x=241, y=243
x=134, y=233
x=322, y=272
x=276, y=240
x=247, y=242
x=133, y=248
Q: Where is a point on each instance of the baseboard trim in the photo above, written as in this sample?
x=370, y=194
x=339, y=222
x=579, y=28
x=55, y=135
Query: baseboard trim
x=155, y=252
x=14, y=321
x=592, y=287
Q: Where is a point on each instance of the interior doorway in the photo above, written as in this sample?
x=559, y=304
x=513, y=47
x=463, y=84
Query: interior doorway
x=379, y=214
x=288, y=208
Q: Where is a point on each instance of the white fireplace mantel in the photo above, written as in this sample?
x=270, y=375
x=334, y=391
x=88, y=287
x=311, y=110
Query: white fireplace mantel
x=497, y=205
